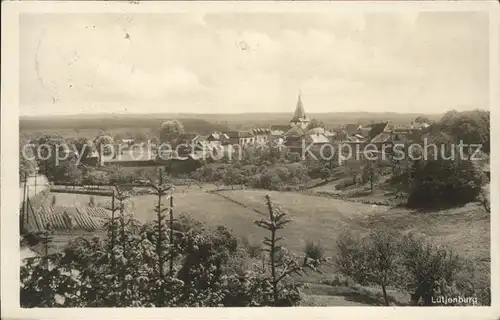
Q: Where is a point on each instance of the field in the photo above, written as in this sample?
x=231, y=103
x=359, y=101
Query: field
x=466, y=229
x=320, y=219
x=315, y=218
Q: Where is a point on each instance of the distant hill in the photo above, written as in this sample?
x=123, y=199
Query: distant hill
x=93, y=124
x=204, y=123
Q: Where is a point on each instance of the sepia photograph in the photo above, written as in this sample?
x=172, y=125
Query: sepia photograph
x=249, y=156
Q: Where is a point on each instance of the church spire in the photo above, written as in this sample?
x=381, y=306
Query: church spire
x=299, y=117
x=299, y=110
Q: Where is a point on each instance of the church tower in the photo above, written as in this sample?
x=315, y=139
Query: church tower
x=299, y=117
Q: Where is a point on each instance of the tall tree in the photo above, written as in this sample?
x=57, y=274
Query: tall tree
x=422, y=119
x=84, y=147
x=170, y=130
x=27, y=162
x=103, y=144
x=315, y=123
x=370, y=172
x=50, y=150
x=471, y=127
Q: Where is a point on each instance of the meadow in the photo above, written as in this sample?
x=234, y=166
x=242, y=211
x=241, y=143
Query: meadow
x=466, y=230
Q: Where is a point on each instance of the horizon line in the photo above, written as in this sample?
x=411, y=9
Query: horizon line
x=227, y=113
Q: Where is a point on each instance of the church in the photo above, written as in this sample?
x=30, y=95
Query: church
x=300, y=118
x=297, y=133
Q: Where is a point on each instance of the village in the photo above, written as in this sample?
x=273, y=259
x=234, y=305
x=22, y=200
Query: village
x=248, y=158
x=70, y=201
x=302, y=132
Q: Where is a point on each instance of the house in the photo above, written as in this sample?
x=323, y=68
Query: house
x=419, y=125
x=127, y=142
x=186, y=138
x=364, y=131
x=331, y=136
x=293, y=139
x=185, y=143
x=296, y=138
x=241, y=138
x=220, y=137
x=339, y=135
x=351, y=129
x=261, y=135
x=277, y=132
x=199, y=139
x=376, y=129
x=382, y=137
x=317, y=139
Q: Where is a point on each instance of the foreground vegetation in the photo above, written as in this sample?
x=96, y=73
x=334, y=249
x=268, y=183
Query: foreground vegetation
x=168, y=262
x=241, y=262
x=200, y=245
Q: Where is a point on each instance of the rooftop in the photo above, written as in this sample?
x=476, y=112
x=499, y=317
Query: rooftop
x=318, y=138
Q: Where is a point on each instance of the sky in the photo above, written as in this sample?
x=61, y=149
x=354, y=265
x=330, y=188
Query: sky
x=427, y=62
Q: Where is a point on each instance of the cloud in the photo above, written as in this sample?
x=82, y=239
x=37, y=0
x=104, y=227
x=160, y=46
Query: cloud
x=255, y=62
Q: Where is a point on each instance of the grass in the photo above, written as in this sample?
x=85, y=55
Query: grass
x=383, y=192
x=319, y=219
x=316, y=219
x=209, y=208
x=353, y=295
x=466, y=230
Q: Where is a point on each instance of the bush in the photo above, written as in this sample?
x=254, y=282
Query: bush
x=161, y=264
x=339, y=280
x=427, y=267
x=409, y=263
x=370, y=260
x=96, y=177
x=253, y=250
x=344, y=183
x=92, y=202
x=314, y=250
x=443, y=183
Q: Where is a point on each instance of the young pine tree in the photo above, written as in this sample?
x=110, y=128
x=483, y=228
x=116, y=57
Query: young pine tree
x=282, y=264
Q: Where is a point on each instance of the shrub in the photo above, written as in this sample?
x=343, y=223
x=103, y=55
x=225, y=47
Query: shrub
x=314, y=250
x=96, y=177
x=426, y=266
x=253, y=250
x=128, y=268
x=407, y=262
x=344, y=183
x=370, y=260
x=339, y=280
x=92, y=202
x=445, y=183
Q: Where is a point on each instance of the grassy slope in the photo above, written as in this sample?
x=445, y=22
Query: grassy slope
x=466, y=229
